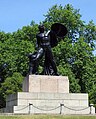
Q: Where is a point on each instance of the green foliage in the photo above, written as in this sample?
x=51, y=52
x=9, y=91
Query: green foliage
x=92, y=94
x=10, y=86
x=73, y=83
x=14, y=51
x=82, y=62
x=14, y=54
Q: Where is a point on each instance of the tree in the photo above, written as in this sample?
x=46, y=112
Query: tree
x=14, y=50
x=10, y=86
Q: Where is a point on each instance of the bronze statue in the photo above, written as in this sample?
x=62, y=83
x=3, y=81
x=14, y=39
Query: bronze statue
x=45, y=41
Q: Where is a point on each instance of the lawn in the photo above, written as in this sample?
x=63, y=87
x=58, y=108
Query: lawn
x=47, y=117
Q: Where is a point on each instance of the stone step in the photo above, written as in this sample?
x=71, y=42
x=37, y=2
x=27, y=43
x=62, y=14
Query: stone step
x=24, y=98
x=39, y=96
x=23, y=109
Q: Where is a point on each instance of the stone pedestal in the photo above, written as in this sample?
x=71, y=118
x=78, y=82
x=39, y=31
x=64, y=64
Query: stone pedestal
x=53, y=103
x=48, y=84
x=47, y=94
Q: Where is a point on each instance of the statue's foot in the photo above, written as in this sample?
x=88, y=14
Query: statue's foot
x=36, y=73
x=56, y=74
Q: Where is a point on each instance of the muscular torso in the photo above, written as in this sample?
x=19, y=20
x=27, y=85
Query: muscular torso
x=43, y=40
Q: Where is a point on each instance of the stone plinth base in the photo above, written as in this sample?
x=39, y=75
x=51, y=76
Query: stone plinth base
x=47, y=94
x=44, y=83
x=52, y=103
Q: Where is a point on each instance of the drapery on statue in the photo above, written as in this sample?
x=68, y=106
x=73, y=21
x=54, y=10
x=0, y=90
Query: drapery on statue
x=46, y=41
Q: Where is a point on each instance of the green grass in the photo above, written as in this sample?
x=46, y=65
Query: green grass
x=46, y=117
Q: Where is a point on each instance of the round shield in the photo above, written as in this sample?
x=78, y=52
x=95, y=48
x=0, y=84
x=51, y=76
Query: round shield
x=59, y=29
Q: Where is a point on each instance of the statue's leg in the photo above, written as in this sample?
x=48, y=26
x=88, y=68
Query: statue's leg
x=30, y=68
x=35, y=69
x=46, y=69
x=51, y=60
x=30, y=63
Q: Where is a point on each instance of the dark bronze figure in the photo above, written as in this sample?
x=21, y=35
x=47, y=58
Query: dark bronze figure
x=45, y=41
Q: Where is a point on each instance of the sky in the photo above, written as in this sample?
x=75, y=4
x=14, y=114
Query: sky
x=14, y=14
